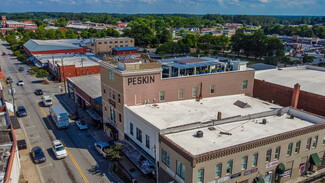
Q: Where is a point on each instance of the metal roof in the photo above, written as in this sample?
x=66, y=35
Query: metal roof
x=125, y=48
x=46, y=45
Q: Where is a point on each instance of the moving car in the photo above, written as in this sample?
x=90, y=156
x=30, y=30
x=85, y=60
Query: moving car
x=58, y=149
x=21, y=69
x=101, y=147
x=39, y=92
x=60, y=116
x=47, y=101
x=81, y=124
x=20, y=83
x=3, y=53
x=38, y=155
x=21, y=111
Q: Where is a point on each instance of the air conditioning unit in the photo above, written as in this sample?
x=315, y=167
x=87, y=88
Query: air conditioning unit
x=199, y=134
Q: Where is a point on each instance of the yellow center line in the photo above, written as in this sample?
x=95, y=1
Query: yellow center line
x=68, y=151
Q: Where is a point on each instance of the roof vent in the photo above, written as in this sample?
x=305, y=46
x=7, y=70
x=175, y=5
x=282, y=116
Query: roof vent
x=212, y=128
x=241, y=104
x=199, y=134
x=225, y=133
x=264, y=121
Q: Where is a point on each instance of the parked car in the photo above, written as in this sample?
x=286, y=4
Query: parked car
x=39, y=92
x=47, y=101
x=81, y=124
x=21, y=69
x=38, y=155
x=58, y=149
x=101, y=147
x=21, y=111
x=4, y=53
x=20, y=83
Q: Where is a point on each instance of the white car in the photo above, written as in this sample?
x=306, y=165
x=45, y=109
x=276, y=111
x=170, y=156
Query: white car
x=81, y=124
x=58, y=149
x=101, y=147
x=20, y=83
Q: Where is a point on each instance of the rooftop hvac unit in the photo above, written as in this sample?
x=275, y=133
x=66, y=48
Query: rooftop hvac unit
x=199, y=134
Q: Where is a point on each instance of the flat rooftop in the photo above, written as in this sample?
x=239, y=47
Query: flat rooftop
x=310, y=80
x=77, y=61
x=90, y=84
x=241, y=132
x=172, y=114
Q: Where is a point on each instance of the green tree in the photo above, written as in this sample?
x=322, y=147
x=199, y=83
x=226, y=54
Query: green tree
x=11, y=39
x=50, y=34
x=273, y=47
x=115, y=154
x=61, y=22
x=165, y=36
x=307, y=59
x=40, y=33
x=41, y=73
x=189, y=39
x=69, y=34
x=59, y=34
x=237, y=41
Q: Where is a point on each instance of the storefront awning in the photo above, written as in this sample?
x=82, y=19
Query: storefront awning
x=258, y=180
x=315, y=159
x=280, y=168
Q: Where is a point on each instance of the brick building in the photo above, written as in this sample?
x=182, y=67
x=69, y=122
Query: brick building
x=106, y=45
x=7, y=25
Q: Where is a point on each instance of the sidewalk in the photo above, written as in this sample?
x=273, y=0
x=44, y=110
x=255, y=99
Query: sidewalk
x=29, y=171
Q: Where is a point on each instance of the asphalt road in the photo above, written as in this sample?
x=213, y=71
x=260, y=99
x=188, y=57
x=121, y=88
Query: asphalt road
x=83, y=163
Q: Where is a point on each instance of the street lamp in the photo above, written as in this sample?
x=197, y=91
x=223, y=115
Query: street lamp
x=12, y=94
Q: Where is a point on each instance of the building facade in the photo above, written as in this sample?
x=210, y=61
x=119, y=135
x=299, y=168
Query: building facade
x=106, y=45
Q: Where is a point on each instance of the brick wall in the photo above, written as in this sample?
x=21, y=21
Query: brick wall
x=282, y=95
x=72, y=71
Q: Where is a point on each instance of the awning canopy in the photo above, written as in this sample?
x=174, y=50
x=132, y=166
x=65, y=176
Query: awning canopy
x=280, y=168
x=258, y=180
x=314, y=158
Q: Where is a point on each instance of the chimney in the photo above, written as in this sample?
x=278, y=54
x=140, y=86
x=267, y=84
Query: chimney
x=295, y=96
x=219, y=115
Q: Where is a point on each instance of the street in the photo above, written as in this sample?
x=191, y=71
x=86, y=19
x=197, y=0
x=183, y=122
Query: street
x=83, y=163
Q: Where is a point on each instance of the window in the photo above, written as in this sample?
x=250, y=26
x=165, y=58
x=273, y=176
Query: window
x=165, y=158
x=121, y=45
x=120, y=117
x=113, y=95
x=104, y=91
x=92, y=44
x=116, y=46
x=112, y=111
x=277, y=153
x=212, y=89
x=229, y=167
x=244, y=163
x=105, y=42
x=119, y=98
x=297, y=147
x=180, y=169
x=126, y=41
x=268, y=155
x=324, y=139
x=255, y=157
x=315, y=142
x=116, y=41
x=180, y=93
x=99, y=42
x=147, y=141
x=111, y=42
x=218, y=170
x=162, y=96
x=105, y=109
x=110, y=46
x=126, y=45
x=289, y=149
x=308, y=144
x=131, y=128
x=200, y=176
x=139, y=134
x=194, y=92
x=111, y=75
x=131, y=41
x=121, y=41
x=245, y=84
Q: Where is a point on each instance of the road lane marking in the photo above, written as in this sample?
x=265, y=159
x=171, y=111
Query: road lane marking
x=44, y=113
x=44, y=166
x=75, y=163
x=70, y=155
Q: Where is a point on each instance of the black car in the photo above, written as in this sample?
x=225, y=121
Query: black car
x=38, y=155
x=21, y=111
x=21, y=69
x=39, y=92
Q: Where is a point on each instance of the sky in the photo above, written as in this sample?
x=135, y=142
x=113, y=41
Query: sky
x=249, y=7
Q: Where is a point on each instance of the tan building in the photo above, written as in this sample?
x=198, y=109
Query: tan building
x=106, y=45
x=275, y=146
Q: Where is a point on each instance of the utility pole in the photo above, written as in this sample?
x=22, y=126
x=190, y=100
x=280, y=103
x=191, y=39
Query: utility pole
x=65, y=87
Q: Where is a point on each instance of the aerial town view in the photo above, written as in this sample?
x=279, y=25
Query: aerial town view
x=162, y=91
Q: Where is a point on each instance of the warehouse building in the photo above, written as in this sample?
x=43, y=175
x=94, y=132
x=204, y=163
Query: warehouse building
x=106, y=45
